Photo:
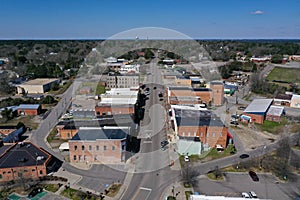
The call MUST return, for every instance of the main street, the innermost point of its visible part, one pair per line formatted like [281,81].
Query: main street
[152,171]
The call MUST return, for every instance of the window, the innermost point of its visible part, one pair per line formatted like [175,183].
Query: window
[84,157]
[75,147]
[113,148]
[0,176]
[95,158]
[182,133]
[221,134]
[82,147]
[214,134]
[189,134]
[25,170]
[207,134]
[90,147]
[79,157]
[74,158]
[4,172]
[104,147]
[41,171]
[195,134]
[33,170]
[97,148]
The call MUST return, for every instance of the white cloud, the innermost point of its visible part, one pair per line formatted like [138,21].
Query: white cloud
[258,12]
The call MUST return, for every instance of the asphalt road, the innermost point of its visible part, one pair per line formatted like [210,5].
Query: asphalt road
[152,173]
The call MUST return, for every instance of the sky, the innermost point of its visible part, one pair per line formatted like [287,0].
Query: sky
[102,19]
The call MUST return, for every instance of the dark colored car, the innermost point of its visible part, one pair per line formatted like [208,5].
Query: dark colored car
[147,89]
[244,156]
[154,88]
[234,123]
[253,175]
[241,108]
[160,94]
[34,192]
[164,143]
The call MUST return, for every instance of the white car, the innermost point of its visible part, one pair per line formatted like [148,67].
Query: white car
[186,159]
[253,195]
[245,195]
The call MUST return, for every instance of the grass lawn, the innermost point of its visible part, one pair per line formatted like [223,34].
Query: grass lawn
[214,154]
[51,187]
[76,194]
[51,135]
[212,176]
[272,127]
[187,194]
[100,89]
[26,119]
[284,74]
[113,189]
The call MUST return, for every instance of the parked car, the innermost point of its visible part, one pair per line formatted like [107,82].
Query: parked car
[164,143]
[34,192]
[154,88]
[244,156]
[253,175]
[186,159]
[253,195]
[241,108]
[245,195]
[234,123]
[163,148]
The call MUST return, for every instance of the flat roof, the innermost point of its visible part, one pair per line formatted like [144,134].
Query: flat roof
[23,154]
[28,106]
[258,106]
[275,110]
[120,120]
[295,97]
[179,88]
[96,133]
[188,117]
[118,101]
[40,81]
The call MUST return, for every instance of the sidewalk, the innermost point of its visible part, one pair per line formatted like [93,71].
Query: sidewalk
[179,191]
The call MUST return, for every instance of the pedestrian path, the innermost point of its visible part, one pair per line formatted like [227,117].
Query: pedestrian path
[176,190]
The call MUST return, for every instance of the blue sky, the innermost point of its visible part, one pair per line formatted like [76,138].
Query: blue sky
[203,19]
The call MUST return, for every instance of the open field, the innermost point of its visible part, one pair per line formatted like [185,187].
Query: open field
[288,75]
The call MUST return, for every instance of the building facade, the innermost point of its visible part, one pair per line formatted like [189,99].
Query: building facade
[99,145]
[122,81]
[23,161]
[29,109]
[40,86]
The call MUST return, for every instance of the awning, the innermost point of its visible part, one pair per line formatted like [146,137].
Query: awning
[64,146]
[229,135]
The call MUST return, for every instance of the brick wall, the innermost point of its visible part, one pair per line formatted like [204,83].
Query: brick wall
[66,133]
[108,110]
[259,119]
[273,118]
[28,172]
[218,94]
[99,151]
[212,135]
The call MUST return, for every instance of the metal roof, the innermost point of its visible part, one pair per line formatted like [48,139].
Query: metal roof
[275,110]
[259,106]
[295,97]
[28,106]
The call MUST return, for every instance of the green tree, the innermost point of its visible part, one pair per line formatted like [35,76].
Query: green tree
[48,100]
[277,58]
[7,114]
[54,86]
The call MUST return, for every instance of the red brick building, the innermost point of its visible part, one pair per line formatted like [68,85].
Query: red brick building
[29,109]
[24,161]
[275,113]
[217,92]
[113,109]
[99,145]
[258,109]
[202,124]
[205,94]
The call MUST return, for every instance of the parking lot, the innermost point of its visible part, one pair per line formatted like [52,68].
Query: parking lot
[236,183]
